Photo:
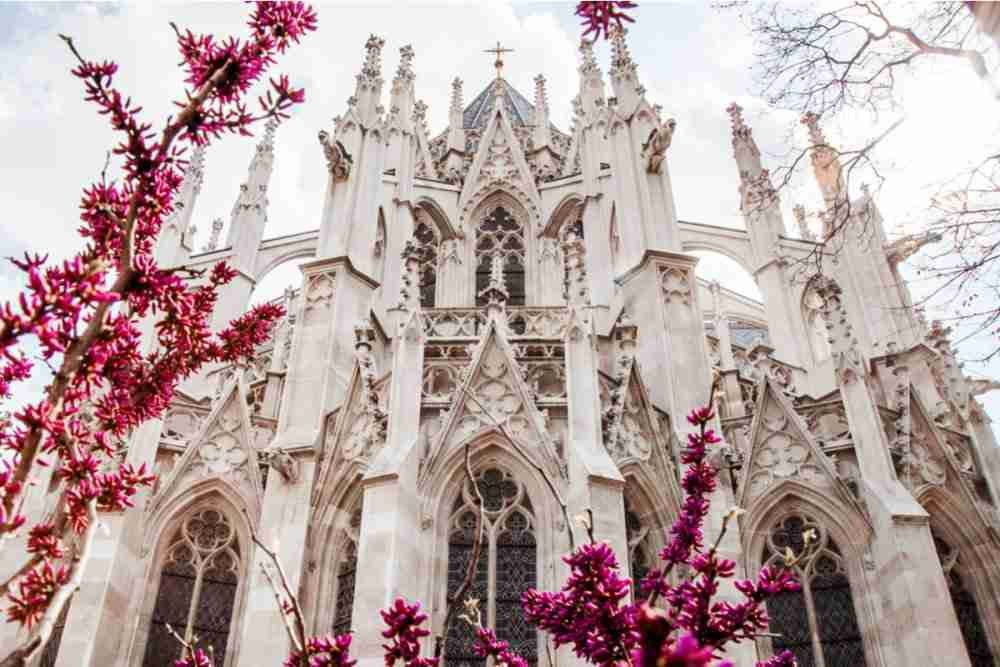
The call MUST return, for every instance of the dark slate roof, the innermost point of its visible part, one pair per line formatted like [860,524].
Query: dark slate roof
[477,114]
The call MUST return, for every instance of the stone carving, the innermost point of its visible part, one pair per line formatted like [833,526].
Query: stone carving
[319,291]
[338,161]
[213,239]
[676,284]
[286,464]
[781,453]
[915,465]
[655,148]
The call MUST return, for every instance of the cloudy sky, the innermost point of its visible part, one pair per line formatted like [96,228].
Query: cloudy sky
[692,59]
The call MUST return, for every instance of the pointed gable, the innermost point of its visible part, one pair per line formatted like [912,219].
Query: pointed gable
[222,449]
[631,430]
[499,164]
[493,393]
[782,448]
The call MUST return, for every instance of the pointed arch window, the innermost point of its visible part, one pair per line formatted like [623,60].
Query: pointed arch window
[640,558]
[428,240]
[818,623]
[966,609]
[196,594]
[506,568]
[347,567]
[812,313]
[499,233]
[378,247]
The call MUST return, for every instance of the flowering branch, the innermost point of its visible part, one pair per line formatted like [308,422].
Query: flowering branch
[86,313]
[598,17]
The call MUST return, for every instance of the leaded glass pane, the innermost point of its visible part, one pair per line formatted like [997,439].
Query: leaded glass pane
[790,621]
[346,573]
[822,613]
[197,590]
[515,570]
[971,624]
[426,239]
[499,233]
[635,534]
[508,538]
[837,623]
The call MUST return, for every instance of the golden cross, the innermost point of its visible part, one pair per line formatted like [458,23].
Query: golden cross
[498,63]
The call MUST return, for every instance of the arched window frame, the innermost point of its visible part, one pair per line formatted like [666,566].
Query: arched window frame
[823,547]
[527,252]
[485,584]
[427,238]
[344,573]
[165,542]
[960,582]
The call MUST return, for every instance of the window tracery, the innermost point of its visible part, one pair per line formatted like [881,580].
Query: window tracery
[427,240]
[817,623]
[506,568]
[196,595]
[499,233]
[966,609]
[347,566]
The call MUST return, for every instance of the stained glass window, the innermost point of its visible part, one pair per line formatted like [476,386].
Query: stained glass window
[347,567]
[966,609]
[426,237]
[818,623]
[505,569]
[499,233]
[197,589]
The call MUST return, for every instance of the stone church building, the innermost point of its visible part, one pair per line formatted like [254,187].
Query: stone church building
[523,297]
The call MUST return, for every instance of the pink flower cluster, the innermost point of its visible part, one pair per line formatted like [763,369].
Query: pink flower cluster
[488,646]
[404,632]
[198,658]
[591,611]
[86,314]
[598,17]
[588,612]
[326,651]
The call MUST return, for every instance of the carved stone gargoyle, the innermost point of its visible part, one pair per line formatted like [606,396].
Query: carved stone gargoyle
[655,148]
[338,161]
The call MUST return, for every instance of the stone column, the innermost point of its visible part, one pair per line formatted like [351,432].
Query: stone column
[916,618]
[390,527]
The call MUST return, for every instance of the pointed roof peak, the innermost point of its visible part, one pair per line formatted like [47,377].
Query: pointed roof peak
[480,110]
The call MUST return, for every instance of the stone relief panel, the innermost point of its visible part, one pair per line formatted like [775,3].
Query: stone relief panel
[781,453]
[676,284]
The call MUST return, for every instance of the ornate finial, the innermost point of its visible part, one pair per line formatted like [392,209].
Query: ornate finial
[811,121]
[419,116]
[541,97]
[213,240]
[266,144]
[405,69]
[496,292]
[621,58]
[588,63]
[843,342]
[456,95]
[498,63]
[195,169]
[371,70]
[800,219]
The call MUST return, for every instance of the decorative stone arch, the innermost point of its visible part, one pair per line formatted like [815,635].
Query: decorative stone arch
[305,250]
[720,248]
[951,520]
[439,216]
[851,532]
[440,492]
[214,495]
[501,198]
[567,206]
[331,537]
[653,510]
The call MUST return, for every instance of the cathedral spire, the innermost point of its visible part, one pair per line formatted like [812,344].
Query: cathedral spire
[249,214]
[456,134]
[591,82]
[624,73]
[368,88]
[401,97]
[176,241]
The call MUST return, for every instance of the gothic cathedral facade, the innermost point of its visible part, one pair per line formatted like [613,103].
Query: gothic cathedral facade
[522,300]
